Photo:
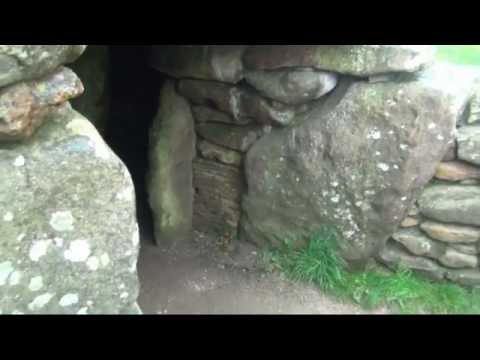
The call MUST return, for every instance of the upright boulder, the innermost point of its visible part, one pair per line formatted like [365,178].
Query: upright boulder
[68,233]
[27,62]
[356,160]
[172,149]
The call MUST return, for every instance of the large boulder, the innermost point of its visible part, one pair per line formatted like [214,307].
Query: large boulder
[93,69]
[357,60]
[25,106]
[207,62]
[27,62]
[172,149]
[356,161]
[68,232]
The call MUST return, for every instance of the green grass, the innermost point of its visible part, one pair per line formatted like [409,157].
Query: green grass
[320,264]
[459,54]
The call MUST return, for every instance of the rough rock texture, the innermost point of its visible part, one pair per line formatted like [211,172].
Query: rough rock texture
[238,138]
[451,233]
[294,87]
[172,149]
[355,161]
[395,257]
[241,103]
[469,144]
[223,155]
[456,171]
[357,60]
[451,204]
[93,69]
[218,190]
[27,62]
[68,235]
[25,106]
[207,62]
[419,244]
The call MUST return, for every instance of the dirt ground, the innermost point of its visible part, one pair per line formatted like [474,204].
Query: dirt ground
[200,279]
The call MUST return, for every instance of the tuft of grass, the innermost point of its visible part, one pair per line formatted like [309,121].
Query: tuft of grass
[320,264]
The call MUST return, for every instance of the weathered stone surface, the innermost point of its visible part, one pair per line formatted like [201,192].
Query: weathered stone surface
[357,60]
[93,69]
[208,62]
[419,244]
[218,190]
[409,222]
[465,277]
[292,86]
[466,249]
[214,152]
[172,149]
[451,233]
[355,161]
[68,233]
[457,260]
[239,138]
[474,108]
[25,106]
[204,114]
[451,204]
[393,256]
[469,144]
[243,104]
[451,154]
[456,171]
[27,62]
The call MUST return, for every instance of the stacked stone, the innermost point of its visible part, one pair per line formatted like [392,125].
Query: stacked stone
[441,236]
[284,138]
[232,108]
[68,232]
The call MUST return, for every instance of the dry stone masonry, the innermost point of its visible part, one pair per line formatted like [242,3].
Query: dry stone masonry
[292,137]
[68,231]
[258,143]
[441,235]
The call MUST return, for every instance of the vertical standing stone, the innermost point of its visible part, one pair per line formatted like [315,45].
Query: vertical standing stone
[172,149]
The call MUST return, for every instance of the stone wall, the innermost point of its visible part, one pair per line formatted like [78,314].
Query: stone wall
[290,138]
[441,235]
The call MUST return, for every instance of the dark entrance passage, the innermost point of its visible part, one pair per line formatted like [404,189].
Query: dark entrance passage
[134,104]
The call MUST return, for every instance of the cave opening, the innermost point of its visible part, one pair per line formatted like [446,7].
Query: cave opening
[133,104]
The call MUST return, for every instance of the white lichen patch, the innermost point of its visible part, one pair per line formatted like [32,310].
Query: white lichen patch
[440,137]
[36,283]
[384,167]
[58,242]
[432,126]
[78,251]
[105,260]
[93,263]
[62,221]
[374,134]
[83,127]
[124,295]
[68,300]
[15,278]
[403,147]
[6,269]
[40,301]
[83,311]
[39,249]
[21,237]
[19,161]
[8,216]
